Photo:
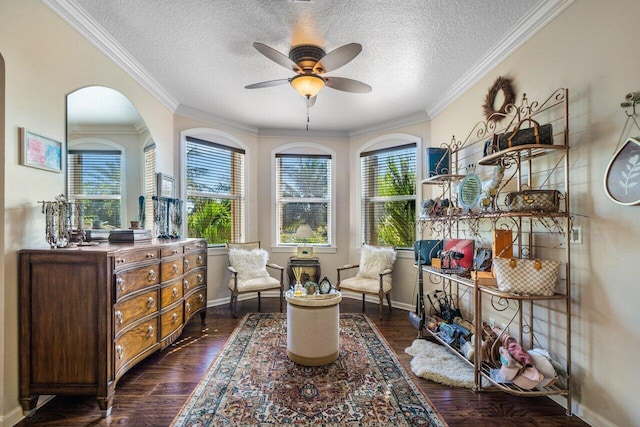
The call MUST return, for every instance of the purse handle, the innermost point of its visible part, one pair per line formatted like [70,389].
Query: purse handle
[536,130]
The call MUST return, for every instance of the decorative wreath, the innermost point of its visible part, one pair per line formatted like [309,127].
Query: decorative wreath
[501,84]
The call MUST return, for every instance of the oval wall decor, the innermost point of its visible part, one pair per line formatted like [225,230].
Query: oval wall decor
[622,178]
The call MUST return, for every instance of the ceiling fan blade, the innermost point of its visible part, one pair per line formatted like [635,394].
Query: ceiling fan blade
[268,83]
[276,56]
[337,58]
[347,85]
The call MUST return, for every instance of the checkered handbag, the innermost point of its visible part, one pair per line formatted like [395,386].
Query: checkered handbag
[526,276]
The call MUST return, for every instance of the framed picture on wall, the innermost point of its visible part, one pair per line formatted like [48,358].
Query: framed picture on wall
[40,152]
[165,185]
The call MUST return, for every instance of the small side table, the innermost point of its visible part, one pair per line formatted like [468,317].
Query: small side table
[313,328]
[310,269]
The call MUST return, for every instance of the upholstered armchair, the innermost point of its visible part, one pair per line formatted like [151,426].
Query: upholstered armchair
[248,267]
[373,276]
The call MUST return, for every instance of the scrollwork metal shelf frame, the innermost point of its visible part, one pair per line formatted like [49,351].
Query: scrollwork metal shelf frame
[518,161]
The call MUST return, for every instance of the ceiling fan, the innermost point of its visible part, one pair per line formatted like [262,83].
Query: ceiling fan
[311,63]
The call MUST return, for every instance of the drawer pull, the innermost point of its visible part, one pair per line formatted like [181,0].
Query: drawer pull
[120,260]
[200,277]
[174,293]
[175,251]
[187,248]
[151,302]
[174,318]
[119,351]
[119,317]
[120,282]
[150,255]
[175,268]
[187,307]
[186,263]
[199,245]
[186,284]
[199,259]
[152,276]
[149,331]
[200,297]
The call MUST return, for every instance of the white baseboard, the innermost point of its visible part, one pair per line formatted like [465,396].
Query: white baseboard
[15,415]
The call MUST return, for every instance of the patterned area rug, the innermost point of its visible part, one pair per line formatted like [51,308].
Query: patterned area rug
[253,382]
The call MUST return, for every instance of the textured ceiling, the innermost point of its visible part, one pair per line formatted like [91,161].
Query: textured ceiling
[415,53]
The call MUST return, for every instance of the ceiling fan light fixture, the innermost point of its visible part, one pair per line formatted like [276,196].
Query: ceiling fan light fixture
[308,85]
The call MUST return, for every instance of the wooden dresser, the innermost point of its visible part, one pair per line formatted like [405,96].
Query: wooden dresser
[89,314]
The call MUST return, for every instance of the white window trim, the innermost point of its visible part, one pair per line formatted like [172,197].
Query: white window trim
[302,148]
[219,137]
[385,141]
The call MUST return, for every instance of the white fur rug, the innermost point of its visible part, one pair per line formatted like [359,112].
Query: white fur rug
[438,364]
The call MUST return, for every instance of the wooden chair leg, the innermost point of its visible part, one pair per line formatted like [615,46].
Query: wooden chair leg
[363,303]
[234,306]
[281,298]
[258,302]
[380,303]
[389,301]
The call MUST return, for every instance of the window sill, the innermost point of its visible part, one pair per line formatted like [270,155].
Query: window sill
[294,249]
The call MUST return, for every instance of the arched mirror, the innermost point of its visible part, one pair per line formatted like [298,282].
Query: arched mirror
[110,159]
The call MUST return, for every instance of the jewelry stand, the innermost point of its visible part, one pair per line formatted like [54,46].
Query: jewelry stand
[167,217]
[61,217]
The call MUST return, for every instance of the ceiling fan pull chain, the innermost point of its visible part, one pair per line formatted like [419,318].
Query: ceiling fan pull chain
[308,101]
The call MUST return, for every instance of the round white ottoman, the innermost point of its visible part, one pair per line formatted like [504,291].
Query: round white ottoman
[313,328]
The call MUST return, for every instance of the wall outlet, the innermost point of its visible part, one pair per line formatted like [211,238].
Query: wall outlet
[492,322]
[575,235]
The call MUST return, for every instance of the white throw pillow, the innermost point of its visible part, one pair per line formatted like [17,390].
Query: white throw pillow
[249,264]
[374,260]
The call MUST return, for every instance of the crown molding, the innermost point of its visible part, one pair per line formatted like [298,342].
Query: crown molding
[408,120]
[78,19]
[303,134]
[105,130]
[196,114]
[522,31]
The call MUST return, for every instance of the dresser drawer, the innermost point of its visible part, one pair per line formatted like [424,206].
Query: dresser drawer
[170,293]
[127,281]
[134,342]
[127,312]
[195,302]
[171,269]
[193,279]
[124,259]
[198,245]
[194,260]
[171,320]
[172,250]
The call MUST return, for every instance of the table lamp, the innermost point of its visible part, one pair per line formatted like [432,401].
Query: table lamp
[304,232]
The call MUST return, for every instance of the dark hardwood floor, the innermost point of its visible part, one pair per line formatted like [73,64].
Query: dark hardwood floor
[153,392]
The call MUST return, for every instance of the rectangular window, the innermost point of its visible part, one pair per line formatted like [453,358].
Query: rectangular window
[149,184]
[303,196]
[388,196]
[94,179]
[215,192]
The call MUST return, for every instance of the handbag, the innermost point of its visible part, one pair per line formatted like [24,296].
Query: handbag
[533,201]
[535,134]
[526,276]
[426,250]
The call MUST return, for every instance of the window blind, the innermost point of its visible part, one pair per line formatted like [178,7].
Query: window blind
[303,192]
[94,178]
[149,183]
[215,191]
[388,196]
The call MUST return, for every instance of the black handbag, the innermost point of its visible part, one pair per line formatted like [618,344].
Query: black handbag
[535,134]
[425,250]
